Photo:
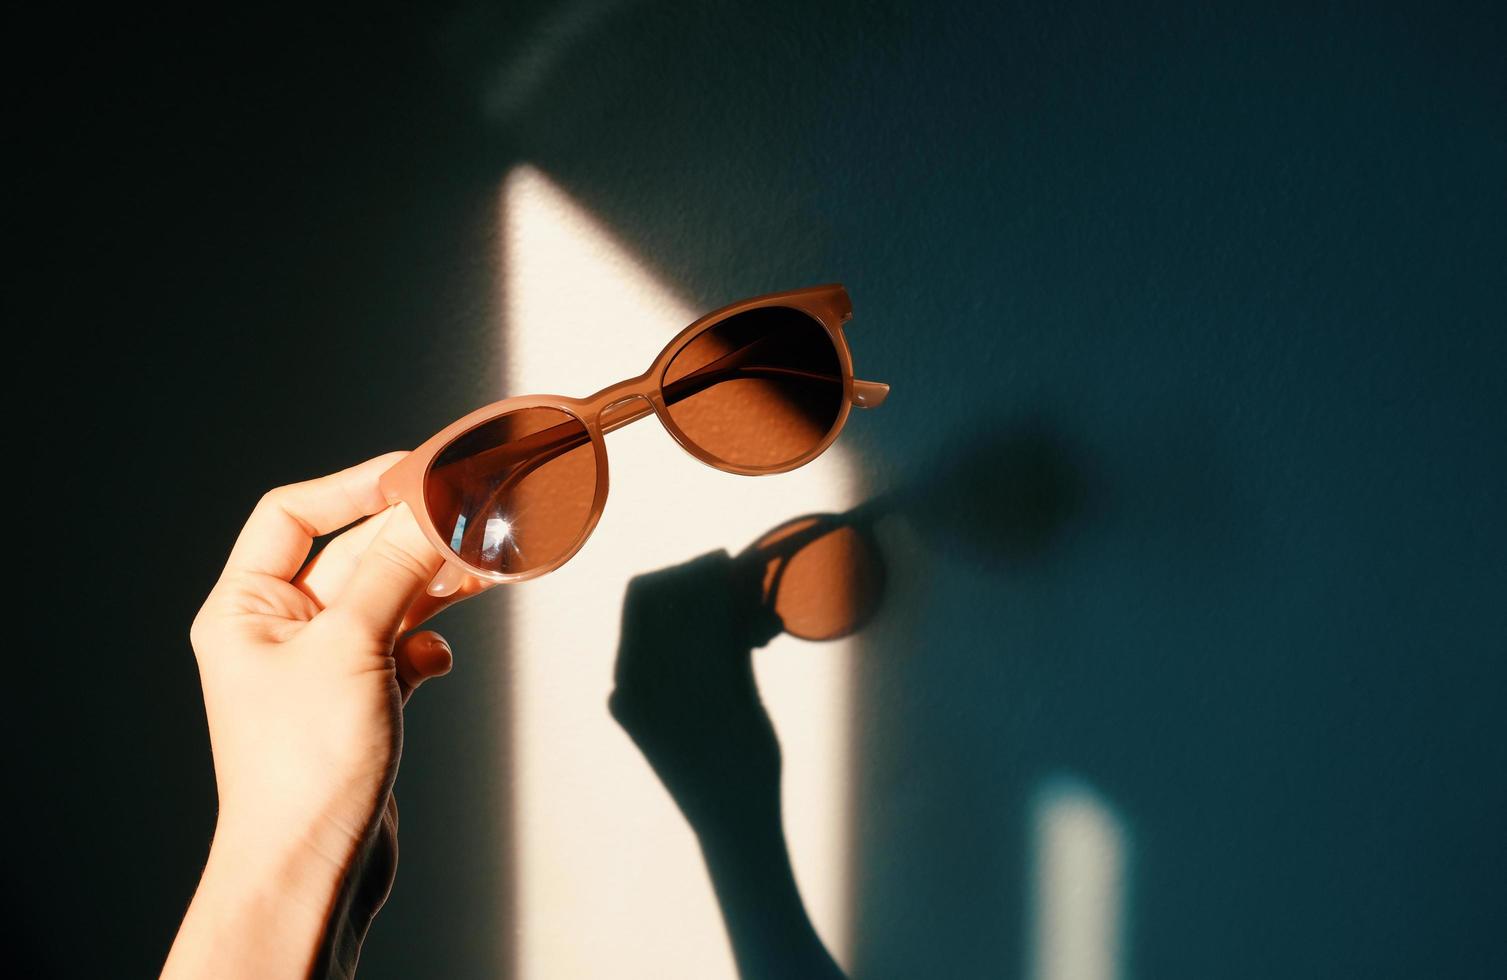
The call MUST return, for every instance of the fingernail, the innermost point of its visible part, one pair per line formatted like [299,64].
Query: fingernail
[441,648]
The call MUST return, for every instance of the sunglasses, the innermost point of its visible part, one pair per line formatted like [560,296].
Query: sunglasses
[512,490]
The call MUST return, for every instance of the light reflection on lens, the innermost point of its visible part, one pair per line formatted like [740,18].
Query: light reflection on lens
[516,491]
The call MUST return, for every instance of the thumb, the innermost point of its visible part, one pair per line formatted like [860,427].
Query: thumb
[392,572]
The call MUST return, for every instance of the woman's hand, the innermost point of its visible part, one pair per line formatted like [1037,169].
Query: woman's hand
[305,670]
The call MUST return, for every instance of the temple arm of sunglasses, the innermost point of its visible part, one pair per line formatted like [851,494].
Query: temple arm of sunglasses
[527,453]
[691,384]
[538,448]
[869,394]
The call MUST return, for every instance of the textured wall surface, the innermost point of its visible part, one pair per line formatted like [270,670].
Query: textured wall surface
[1195,321]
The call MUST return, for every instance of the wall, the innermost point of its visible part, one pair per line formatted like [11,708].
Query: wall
[1194,321]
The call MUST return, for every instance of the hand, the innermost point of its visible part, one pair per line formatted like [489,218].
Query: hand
[305,670]
[685,693]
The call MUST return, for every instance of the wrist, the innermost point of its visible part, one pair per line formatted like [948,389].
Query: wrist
[297,872]
[262,907]
[301,848]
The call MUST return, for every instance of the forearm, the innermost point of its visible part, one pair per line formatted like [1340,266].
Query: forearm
[770,931]
[261,910]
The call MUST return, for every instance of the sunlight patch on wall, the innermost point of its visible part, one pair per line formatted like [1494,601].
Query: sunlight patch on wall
[610,879]
[1078,909]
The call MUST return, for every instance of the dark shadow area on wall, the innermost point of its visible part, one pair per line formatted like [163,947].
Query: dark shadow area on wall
[1233,277]
[257,249]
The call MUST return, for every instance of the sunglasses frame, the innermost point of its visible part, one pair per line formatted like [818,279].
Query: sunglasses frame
[617,405]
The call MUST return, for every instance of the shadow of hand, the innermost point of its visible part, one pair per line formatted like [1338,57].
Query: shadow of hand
[685,692]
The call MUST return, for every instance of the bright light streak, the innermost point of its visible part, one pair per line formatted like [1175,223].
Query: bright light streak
[1080,879]
[611,883]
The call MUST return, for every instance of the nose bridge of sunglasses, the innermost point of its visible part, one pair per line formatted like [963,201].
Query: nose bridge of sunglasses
[621,411]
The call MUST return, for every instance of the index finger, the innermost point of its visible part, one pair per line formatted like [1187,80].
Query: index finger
[277,536]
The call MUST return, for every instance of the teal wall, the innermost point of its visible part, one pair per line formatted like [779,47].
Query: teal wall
[1197,325]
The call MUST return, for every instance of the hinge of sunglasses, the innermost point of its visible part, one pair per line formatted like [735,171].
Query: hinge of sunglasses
[869,394]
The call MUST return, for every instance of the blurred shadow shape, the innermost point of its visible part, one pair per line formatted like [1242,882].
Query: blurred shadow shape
[1001,496]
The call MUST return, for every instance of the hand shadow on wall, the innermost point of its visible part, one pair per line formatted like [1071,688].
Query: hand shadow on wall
[685,690]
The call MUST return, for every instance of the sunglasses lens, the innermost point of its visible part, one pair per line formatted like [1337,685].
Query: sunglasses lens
[761,388]
[514,493]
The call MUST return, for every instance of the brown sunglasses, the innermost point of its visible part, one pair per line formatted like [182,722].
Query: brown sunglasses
[512,490]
